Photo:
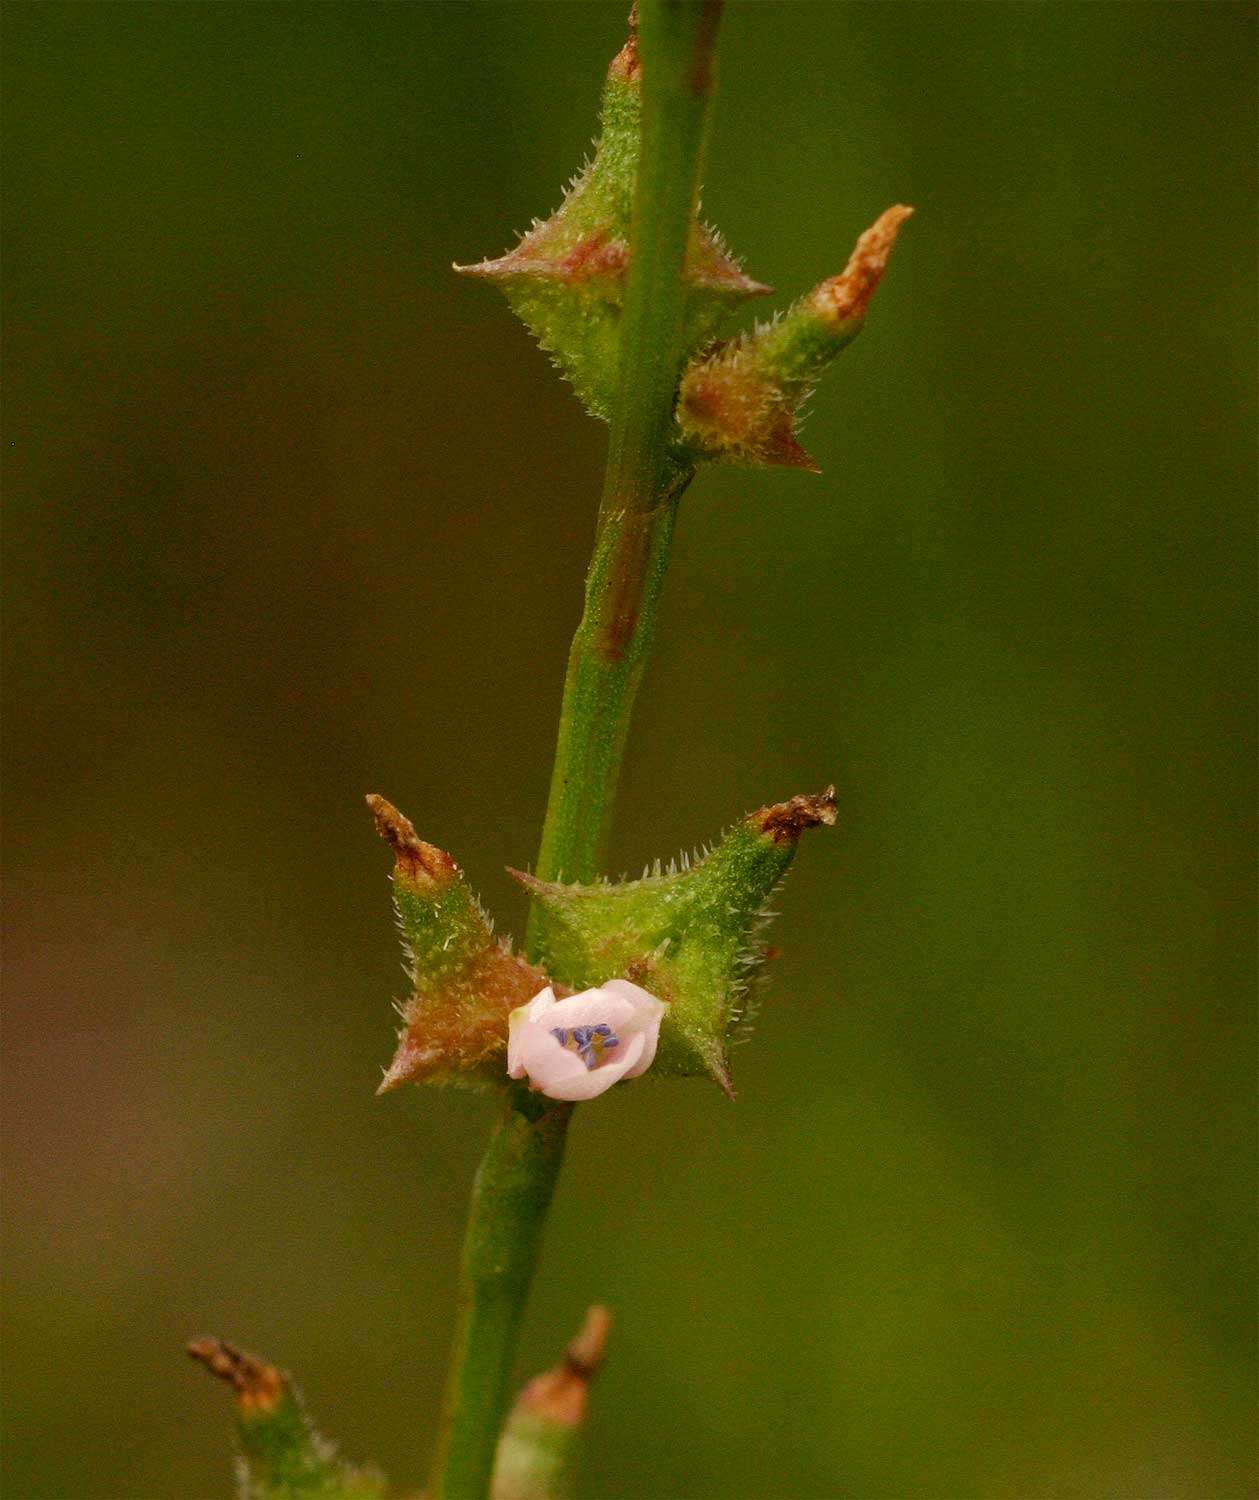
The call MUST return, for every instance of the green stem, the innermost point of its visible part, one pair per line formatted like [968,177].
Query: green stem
[605,665]
[510,1199]
[642,485]
[643,480]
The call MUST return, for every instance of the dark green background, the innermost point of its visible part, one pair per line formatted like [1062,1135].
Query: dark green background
[294,514]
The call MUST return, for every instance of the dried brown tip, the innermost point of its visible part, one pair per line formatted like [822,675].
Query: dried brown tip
[560,1394]
[787,820]
[846,296]
[585,1354]
[414,859]
[626,64]
[259,1387]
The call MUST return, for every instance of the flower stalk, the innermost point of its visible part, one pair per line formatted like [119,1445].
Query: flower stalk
[643,481]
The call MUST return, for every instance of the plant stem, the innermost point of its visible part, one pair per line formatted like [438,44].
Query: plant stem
[510,1198]
[643,482]
[605,665]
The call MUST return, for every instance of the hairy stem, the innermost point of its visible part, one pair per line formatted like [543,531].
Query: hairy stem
[643,482]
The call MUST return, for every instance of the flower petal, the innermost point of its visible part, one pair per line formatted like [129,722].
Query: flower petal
[626,989]
[542,1002]
[545,1060]
[533,1048]
[649,1011]
[522,1016]
[590,1008]
[589,1083]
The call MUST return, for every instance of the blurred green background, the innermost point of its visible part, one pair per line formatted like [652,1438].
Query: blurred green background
[294,514]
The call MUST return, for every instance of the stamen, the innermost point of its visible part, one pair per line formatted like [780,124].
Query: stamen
[588,1042]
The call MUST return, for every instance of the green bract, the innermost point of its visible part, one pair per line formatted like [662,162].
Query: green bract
[466,981]
[740,402]
[282,1457]
[687,936]
[566,278]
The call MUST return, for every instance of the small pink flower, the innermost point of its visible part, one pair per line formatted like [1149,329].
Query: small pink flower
[576,1048]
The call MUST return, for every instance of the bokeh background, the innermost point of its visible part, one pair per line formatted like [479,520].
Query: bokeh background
[294,514]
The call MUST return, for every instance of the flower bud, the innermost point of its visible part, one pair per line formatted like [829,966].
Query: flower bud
[566,278]
[686,936]
[740,403]
[466,981]
[538,1449]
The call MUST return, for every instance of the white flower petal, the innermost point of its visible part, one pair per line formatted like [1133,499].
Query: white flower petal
[649,1013]
[625,989]
[590,1008]
[533,1049]
[631,1051]
[521,1017]
[650,1038]
[544,1058]
[590,1082]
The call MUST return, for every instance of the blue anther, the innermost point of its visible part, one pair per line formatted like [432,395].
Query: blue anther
[588,1042]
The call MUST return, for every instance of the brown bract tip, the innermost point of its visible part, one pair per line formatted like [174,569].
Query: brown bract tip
[415,860]
[786,821]
[259,1387]
[586,1352]
[559,1395]
[626,64]
[846,296]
